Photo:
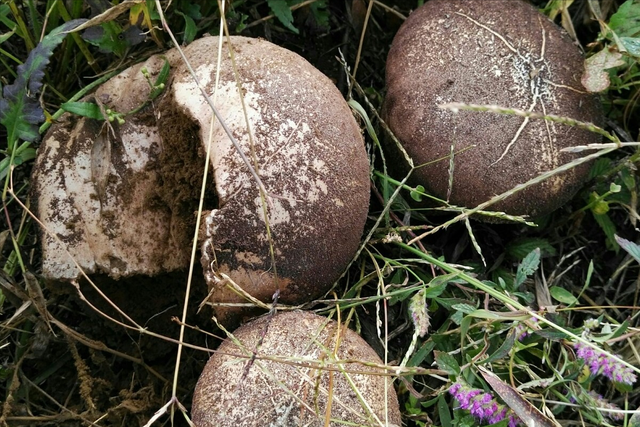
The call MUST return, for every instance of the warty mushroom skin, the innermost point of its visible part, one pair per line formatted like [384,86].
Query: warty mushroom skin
[499,52]
[277,388]
[311,160]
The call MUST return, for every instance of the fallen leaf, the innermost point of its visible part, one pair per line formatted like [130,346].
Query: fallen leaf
[595,78]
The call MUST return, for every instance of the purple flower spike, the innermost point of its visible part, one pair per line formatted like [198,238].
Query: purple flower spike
[482,405]
[600,363]
[602,402]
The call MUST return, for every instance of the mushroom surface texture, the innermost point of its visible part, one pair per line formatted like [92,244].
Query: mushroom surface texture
[498,52]
[122,198]
[236,390]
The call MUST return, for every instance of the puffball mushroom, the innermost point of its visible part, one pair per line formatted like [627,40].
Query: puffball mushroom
[499,52]
[312,162]
[289,383]
[122,199]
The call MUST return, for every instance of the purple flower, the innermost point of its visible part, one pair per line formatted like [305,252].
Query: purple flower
[482,405]
[604,403]
[523,330]
[600,363]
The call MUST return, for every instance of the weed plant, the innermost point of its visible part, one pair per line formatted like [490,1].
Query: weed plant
[524,323]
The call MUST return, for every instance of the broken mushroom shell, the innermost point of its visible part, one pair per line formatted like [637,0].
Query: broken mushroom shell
[306,368]
[499,52]
[309,153]
[95,188]
[121,198]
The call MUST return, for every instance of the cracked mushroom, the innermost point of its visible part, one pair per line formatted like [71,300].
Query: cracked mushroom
[499,52]
[121,199]
[307,369]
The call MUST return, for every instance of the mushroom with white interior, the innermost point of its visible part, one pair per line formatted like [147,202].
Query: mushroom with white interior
[121,199]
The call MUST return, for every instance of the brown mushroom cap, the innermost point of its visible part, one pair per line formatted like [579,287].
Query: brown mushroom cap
[310,157]
[235,392]
[498,52]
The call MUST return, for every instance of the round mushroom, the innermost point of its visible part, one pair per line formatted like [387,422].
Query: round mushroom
[499,52]
[306,368]
[121,198]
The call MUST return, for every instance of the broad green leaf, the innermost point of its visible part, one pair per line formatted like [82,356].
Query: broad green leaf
[84,109]
[22,154]
[562,295]
[190,28]
[282,11]
[503,350]
[626,21]
[447,363]
[464,308]
[631,248]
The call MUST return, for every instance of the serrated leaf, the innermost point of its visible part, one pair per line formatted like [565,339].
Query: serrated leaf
[447,363]
[282,11]
[20,111]
[84,109]
[527,267]
[601,166]
[631,248]
[457,317]
[595,78]
[562,295]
